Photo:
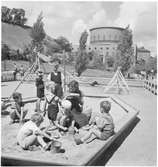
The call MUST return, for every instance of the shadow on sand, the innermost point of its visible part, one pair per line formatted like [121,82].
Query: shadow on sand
[116,144]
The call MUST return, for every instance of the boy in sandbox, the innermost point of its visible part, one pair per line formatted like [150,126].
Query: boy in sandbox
[65,120]
[102,126]
[30,134]
[51,103]
[17,112]
[40,89]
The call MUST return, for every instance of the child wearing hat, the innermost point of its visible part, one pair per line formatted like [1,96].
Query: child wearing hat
[40,89]
[102,126]
[17,112]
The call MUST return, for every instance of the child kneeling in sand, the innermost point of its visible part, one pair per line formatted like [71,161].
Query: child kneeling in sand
[18,112]
[30,133]
[102,127]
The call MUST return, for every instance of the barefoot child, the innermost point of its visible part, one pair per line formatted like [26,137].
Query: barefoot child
[17,112]
[30,134]
[51,102]
[102,127]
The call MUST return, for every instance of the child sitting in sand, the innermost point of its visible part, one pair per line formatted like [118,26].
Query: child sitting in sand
[65,120]
[30,134]
[17,112]
[102,126]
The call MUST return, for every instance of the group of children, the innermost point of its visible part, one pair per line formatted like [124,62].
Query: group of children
[64,113]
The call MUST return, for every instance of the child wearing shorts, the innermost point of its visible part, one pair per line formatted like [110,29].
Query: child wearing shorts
[102,126]
[30,133]
[52,102]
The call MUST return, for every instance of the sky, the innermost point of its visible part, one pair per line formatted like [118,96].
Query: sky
[71,18]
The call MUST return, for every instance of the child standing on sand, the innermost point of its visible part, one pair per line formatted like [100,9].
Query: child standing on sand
[30,134]
[102,127]
[40,89]
[51,102]
[18,112]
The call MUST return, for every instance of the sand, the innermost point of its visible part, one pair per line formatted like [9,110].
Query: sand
[74,154]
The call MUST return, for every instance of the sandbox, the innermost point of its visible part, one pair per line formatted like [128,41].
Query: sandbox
[84,154]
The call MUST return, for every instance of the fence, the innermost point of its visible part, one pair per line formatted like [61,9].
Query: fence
[7,76]
[151,85]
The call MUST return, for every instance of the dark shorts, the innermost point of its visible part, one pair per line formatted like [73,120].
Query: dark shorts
[59,91]
[52,111]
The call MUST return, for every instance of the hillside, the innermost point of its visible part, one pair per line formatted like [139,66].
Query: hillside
[17,37]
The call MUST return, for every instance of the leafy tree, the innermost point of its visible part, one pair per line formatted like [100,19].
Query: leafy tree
[124,57]
[81,62]
[64,44]
[151,64]
[38,34]
[82,56]
[5,52]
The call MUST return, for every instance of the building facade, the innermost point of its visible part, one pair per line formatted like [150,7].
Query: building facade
[104,41]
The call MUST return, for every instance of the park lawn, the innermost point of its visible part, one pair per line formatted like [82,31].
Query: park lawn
[8,65]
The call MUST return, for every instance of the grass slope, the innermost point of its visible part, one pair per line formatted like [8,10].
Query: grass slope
[17,37]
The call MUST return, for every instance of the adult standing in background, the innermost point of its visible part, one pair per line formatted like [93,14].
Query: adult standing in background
[15,71]
[57,77]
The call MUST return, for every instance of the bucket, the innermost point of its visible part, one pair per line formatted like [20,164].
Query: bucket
[55,147]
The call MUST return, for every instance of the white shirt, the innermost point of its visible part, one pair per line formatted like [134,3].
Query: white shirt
[27,129]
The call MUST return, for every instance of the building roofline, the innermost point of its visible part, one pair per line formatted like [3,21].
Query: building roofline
[118,28]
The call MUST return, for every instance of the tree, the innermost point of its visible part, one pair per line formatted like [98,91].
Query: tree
[124,57]
[5,52]
[38,34]
[151,64]
[82,56]
[64,44]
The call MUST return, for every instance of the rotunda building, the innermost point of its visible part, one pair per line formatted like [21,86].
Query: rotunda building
[104,41]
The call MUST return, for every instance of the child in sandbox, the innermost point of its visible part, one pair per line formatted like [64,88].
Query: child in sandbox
[65,121]
[75,96]
[40,89]
[51,103]
[31,135]
[102,126]
[17,112]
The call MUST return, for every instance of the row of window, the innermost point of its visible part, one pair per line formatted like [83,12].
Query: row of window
[101,48]
[110,37]
[107,48]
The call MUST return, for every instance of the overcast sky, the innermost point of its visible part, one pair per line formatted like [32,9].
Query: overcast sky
[69,19]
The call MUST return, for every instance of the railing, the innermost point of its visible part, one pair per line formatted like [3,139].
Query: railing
[7,76]
[151,85]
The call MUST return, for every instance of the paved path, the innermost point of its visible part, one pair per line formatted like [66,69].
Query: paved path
[140,147]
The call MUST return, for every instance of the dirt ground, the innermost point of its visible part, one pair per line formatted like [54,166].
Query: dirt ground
[140,147]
